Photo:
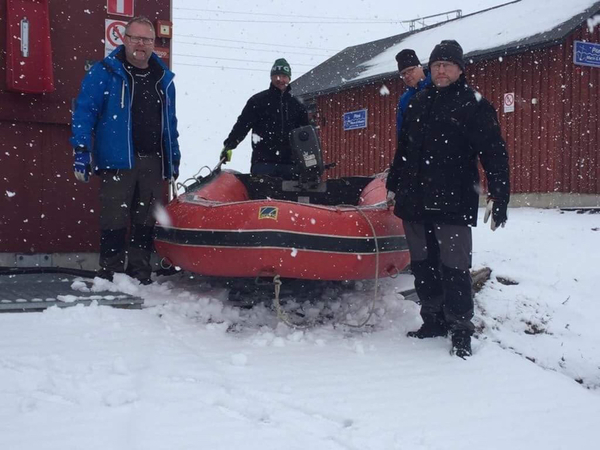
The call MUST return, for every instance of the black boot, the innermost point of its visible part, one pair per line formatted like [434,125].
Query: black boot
[434,327]
[461,345]
[112,253]
[140,251]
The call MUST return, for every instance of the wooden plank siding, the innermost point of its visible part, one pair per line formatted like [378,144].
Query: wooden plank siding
[552,135]
[43,209]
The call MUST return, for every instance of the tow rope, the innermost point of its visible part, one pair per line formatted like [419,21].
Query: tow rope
[285,318]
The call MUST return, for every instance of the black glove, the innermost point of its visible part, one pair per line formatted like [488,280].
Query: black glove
[498,210]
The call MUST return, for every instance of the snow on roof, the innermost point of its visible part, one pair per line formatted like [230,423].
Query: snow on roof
[504,29]
[491,29]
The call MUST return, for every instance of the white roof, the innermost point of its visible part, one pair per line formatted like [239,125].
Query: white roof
[481,31]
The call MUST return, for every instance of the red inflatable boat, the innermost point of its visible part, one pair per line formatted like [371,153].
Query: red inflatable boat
[239,225]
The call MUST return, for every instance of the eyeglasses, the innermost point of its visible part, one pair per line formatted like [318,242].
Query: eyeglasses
[442,65]
[407,72]
[138,39]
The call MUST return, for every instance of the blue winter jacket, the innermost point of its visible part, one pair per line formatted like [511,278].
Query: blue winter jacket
[405,100]
[102,115]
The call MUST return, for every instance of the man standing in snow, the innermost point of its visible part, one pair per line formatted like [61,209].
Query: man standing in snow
[446,130]
[126,108]
[271,115]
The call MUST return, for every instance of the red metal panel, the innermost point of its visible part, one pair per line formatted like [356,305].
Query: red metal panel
[42,208]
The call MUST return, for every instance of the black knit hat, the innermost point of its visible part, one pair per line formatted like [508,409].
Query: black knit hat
[407,58]
[281,67]
[449,50]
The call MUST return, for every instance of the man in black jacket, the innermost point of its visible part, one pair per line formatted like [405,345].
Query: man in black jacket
[434,176]
[271,115]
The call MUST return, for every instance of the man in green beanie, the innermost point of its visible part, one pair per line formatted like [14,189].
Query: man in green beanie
[271,115]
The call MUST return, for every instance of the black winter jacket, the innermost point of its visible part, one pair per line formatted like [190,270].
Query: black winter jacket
[271,115]
[434,173]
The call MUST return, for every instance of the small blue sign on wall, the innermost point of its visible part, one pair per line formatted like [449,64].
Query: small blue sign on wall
[586,54]
[355,120]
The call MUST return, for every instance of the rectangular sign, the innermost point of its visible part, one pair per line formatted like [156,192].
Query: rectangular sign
[114,30]
[509,102]
[355,120]
[120,7]
[586,54]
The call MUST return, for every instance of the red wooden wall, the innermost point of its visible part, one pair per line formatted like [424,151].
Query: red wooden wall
[42,207]
[553,142]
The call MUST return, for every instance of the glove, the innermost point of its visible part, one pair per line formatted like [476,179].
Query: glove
[226,153]
[497,209]
[391,197]
[82,167]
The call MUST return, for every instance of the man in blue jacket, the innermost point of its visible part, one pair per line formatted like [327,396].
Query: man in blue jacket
[125,131]
[414,76]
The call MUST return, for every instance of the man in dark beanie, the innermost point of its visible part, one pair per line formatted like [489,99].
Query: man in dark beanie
[449,50]
[414,76]
[271,115]
[448,128]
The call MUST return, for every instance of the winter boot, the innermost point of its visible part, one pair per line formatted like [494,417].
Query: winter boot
[140,251]
[461,345]
[432,327]
[112,253]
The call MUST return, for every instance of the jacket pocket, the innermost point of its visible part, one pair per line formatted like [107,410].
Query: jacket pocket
[443,193]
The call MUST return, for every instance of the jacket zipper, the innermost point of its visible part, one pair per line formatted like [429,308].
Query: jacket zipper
[130,137]
[162,121]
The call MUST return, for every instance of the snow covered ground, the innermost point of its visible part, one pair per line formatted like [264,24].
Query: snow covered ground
[192,371]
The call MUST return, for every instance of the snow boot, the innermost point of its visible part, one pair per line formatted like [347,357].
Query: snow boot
[432,327]
[461,345]
[139,254]
[112,252]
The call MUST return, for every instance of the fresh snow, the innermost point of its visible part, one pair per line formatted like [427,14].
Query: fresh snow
[487,30]
[193,371]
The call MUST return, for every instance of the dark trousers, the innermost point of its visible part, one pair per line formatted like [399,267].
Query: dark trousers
[440,261]
[127,202]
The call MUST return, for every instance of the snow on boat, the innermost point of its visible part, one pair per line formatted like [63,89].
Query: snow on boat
[238,225]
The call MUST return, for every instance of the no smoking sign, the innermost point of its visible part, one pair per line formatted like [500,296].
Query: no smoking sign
[509,102]
[114,30]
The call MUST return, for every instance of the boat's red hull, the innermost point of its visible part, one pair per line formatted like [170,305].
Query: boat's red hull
[253,238]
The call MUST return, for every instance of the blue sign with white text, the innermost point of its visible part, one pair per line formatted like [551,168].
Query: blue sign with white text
[355,120]
[586,54]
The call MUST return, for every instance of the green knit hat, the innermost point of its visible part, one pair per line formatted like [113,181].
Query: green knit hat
[281,67]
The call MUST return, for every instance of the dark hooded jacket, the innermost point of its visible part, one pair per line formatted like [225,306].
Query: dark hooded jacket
[271,115]
[435,174]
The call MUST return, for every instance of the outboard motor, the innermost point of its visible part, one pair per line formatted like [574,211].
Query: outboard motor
[306,150]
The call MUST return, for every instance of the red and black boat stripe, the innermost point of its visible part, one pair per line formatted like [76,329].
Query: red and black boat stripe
[279,239]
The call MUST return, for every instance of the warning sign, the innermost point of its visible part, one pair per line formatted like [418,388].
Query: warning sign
[114,30]
[120,7]
[509,102]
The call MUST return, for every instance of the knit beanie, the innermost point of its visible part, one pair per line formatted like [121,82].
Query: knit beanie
[407,58]
[281,67]
[449,50]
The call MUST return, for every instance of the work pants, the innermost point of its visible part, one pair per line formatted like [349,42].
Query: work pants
[440,261]
[128,199]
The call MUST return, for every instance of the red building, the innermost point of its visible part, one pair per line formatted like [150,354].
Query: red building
[46,217]
[544,68]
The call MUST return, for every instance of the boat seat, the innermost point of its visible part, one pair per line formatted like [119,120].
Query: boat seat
[339,191]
